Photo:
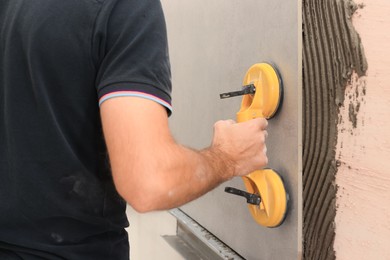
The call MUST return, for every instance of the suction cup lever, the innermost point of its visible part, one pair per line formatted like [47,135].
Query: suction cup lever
[251,198]
[247,89]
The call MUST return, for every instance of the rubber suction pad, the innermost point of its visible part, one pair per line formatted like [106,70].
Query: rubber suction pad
[274,199]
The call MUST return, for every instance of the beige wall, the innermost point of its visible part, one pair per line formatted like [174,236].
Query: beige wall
[363,178]
[145,233]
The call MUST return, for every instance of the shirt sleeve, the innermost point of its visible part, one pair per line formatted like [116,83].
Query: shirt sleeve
[131,50]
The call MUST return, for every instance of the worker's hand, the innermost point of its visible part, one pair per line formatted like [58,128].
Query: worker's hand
[243,144]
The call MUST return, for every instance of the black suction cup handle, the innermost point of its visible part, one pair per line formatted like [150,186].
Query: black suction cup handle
[251,198]
[246,90]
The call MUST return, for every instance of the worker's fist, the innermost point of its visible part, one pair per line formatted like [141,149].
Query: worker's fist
[243,144]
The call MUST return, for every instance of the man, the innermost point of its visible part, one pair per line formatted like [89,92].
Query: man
[69,72]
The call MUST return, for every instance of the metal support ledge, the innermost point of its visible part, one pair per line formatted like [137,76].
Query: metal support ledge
[194,242]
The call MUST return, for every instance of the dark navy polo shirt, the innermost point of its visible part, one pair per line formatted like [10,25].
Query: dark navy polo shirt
[58,60]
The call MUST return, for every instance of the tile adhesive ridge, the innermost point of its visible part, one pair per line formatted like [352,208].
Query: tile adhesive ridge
[332,52]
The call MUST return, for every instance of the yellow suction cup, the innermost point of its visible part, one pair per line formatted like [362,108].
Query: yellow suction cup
[268,94]
[266,197]
[267,183]
[273,206]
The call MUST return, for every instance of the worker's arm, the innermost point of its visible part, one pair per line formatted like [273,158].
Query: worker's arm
[152,172]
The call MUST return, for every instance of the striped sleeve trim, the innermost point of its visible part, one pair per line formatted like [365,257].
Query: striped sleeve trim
[135,94]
